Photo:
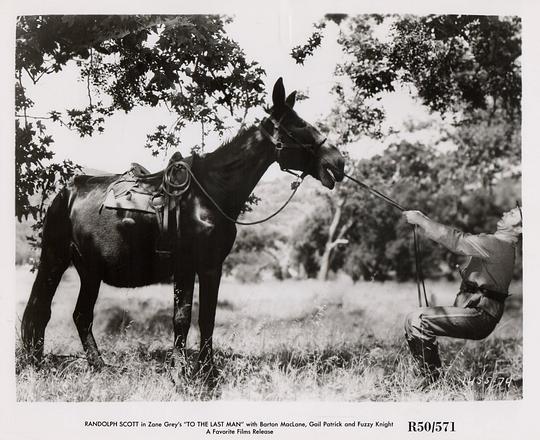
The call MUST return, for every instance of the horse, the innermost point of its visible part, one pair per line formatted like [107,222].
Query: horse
[119,249]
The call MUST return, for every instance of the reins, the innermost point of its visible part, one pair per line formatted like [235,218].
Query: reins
[419,272]
[178,189]
[279,146]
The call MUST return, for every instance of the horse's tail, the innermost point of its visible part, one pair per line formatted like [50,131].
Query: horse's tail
[54,260]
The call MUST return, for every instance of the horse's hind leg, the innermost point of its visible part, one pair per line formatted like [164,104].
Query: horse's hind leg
[84,315]
[38,309]
[54,260]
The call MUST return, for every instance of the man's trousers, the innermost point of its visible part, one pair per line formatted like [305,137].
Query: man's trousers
[424,324]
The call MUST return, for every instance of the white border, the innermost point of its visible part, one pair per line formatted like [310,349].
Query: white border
[490,420]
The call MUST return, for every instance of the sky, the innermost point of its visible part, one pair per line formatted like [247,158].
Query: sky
[266,36]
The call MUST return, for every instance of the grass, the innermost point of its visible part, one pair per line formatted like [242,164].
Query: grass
[292,340]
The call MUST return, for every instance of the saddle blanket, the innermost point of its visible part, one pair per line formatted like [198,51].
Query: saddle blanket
[131,201]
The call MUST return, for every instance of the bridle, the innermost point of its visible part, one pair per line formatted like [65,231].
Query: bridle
[279,131]
[176,190]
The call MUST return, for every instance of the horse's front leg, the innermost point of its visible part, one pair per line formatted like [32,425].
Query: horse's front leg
[184,279]
[208,292]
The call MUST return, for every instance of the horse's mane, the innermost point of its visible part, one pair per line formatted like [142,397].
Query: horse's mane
[229,154]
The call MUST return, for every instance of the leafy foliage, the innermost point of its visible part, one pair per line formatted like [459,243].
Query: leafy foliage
[466,69]
[186,63]
[33,177]
[379,240]
[254,251]
[300,53]
[461,61]
[457,65]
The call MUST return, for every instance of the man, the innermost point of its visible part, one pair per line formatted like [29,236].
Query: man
[479,304]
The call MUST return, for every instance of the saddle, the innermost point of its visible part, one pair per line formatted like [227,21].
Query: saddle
[159,194]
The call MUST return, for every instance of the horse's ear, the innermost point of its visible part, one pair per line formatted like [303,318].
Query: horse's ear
[291,99]
[278,94]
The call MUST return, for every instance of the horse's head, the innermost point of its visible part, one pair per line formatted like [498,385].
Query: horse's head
[299,145]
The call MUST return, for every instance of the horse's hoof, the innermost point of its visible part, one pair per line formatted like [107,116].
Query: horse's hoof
[31,356]
[108,368]
[207,373]
[179,365]
[34,362]
[175,378]
[178,376]
[99,365]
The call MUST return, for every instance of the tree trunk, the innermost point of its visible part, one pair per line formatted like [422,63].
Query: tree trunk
[324,267]
[333,240]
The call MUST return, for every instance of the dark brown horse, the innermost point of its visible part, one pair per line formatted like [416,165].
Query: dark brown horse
[103,246]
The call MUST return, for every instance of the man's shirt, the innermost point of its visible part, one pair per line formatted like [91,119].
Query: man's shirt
[490,263]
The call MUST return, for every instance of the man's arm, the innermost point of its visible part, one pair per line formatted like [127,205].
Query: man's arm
[452,239]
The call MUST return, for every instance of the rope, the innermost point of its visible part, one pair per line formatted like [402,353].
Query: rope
[175,189]
[376,193]
[294,185]
[419,272]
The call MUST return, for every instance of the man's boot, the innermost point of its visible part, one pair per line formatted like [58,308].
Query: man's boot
[427,357]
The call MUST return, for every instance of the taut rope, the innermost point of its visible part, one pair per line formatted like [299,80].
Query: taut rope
[419,272]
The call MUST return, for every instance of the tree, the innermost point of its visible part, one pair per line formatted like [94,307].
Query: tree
[457,63]
[317,240]
[186,63]
[377,242]
[255,250]
[466,69]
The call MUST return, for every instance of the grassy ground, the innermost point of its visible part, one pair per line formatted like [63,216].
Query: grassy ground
[293,340]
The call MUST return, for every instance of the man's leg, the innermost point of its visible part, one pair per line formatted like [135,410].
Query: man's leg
[423,325]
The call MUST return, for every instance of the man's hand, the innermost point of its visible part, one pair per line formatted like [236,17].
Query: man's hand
[415,217]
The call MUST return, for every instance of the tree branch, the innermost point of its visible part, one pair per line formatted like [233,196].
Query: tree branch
[338,242]
[26,117]
[88,77]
